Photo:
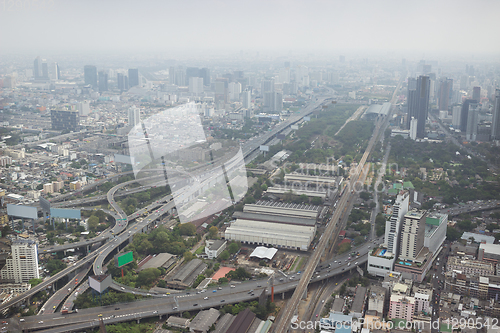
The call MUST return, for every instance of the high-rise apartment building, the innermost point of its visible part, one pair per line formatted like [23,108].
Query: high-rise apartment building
[495,124]
[133,77]
[90,75]
[412,234]
[103,81]
[191,72]
[418,103]
[455,116]
[134,116]
[22,265]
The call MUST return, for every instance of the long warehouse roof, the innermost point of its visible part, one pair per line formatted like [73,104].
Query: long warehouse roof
[275,218]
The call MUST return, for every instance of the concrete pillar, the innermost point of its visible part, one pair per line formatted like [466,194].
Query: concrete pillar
[282,295]
[138,320]
[304,295]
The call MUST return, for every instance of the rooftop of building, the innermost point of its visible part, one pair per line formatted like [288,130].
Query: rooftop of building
[490,248]
[415,214]
[478,238]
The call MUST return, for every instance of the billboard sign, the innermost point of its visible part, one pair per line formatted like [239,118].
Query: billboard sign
[100,282]
[123,259]
[264,148]
[280,136]
[307,118]
[294,127]
[66,213]
[45,204]
[26,212]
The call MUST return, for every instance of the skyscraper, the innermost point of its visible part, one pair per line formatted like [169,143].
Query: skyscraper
[464,115]
[476,94]
[122,81]
[66,121]
[133,77]
[90,74]
[171,75]
[418,102]
[472,120]
[495,124]
[412,234]
[37,68]
[134,116]
[22,265]
[205,74]
[234,90]
[45,70]
[247,99]
[103,81]
[267,86]
[196,85]
[192,72]
[445,93]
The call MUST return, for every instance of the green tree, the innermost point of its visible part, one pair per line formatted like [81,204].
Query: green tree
[188,256]
[212,232]
[224,255]
[35,282]
[342,248]
[93,222]
[147,276]
[223,280]
[54,266]
[233,247]
[317,201]
[187,229]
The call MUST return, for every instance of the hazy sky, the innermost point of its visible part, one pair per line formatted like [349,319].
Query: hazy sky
[88,26]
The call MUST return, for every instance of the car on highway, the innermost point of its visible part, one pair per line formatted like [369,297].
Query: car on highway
[205,298]
[222,301]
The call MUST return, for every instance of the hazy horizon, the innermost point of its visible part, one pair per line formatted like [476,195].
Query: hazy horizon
[388,27]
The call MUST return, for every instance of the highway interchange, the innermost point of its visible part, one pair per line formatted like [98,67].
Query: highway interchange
[164,304]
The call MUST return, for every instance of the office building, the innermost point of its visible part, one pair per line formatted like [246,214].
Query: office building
[37,68]
[134,116]
[45,70]
[196,85]
[54,72]
[90,75]
[64,120]
[267,86]
[418,102]
[445,94]
[22,265]
[495,124]
[133,77]
[103,81]
[191,72]
[464,114]
[413,129]
[122,82]
[412,235]
[205,74]
[472,121]
[476,94]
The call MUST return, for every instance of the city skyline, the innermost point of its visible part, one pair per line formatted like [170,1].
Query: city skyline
[382,26]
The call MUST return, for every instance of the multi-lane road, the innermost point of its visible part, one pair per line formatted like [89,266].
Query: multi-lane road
[164,304]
